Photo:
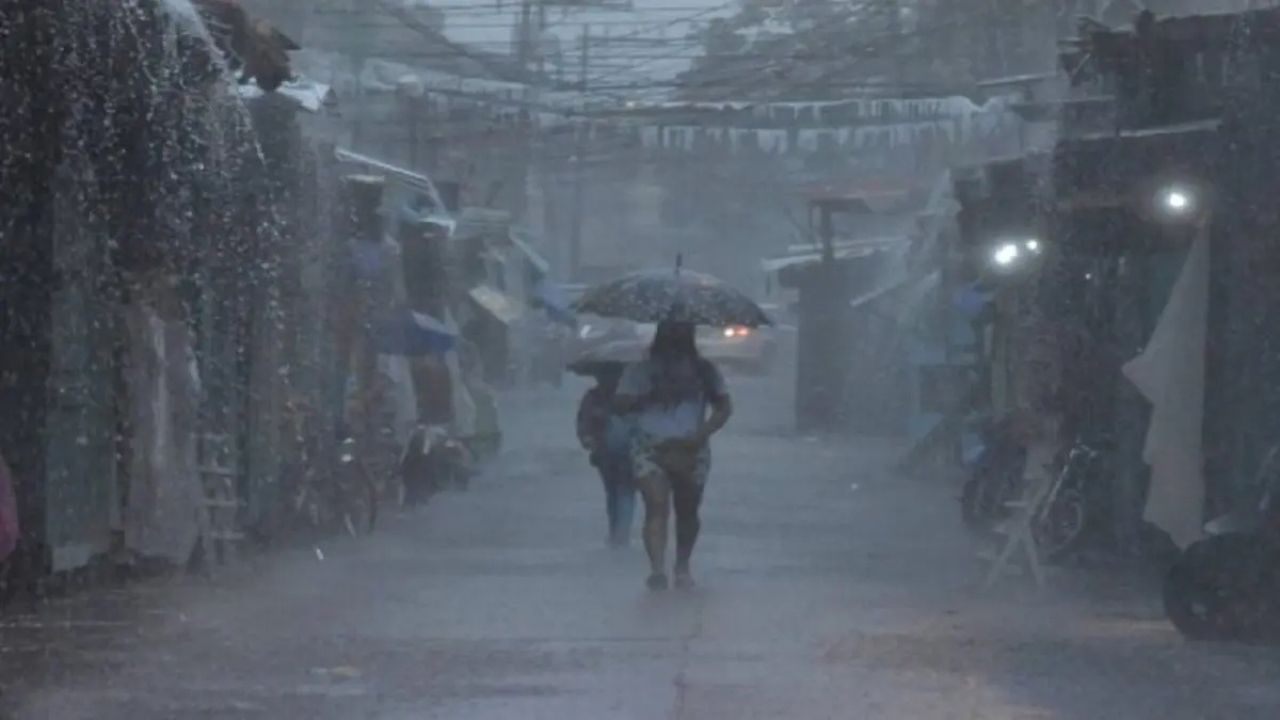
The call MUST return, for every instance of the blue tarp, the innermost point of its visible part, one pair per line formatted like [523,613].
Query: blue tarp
[553,299]
[972,300]
[414,334]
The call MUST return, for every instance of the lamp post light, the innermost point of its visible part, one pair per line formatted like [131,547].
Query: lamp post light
[1011,255]
[1178,202]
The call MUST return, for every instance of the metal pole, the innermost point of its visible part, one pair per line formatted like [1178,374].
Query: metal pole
[411,110]
[579,179]
[522,39]
[827,233]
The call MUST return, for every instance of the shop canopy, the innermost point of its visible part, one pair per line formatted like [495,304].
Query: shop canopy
[906,295]
[844,250]
[420,185]
[1104,170]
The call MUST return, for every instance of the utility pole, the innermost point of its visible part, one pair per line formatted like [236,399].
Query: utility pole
[522,38]
[411,112]
[579,171]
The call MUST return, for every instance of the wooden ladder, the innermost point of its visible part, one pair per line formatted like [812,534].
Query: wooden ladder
[220,531]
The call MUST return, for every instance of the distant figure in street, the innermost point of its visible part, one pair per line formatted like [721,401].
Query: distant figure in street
[606,435]
[669,395]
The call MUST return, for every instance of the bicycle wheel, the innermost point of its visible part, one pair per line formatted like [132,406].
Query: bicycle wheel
[358,500]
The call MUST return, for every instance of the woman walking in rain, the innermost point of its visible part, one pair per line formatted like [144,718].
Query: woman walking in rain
[606,435]
[678,400]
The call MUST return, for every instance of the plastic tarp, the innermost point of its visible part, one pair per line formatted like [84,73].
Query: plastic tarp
[555,301]
[412,179]
[163,516]
[535,258]
[496,303]
[1170,374]
[308,95]
[464,406]
[970,301]
[414,334]
[9,529]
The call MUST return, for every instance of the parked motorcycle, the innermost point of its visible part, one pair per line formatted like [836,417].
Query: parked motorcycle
[1064,516]
[1227,585]
[434,461]
[339,495]
[354,494]
[995,476]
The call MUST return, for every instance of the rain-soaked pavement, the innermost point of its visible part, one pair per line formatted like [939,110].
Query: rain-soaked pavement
[829,589]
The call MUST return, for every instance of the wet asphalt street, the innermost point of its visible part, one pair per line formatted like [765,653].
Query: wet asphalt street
[829,589]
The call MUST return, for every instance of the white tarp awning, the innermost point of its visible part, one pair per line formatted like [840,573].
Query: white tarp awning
[307,94]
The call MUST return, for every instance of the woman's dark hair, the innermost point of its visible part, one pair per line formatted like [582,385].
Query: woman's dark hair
[674,339]
[609,375]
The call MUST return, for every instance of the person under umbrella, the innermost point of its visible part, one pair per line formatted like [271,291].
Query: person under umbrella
[677,398]
[669,394]
[606,435]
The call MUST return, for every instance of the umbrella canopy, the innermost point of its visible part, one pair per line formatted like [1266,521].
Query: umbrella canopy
[678,295]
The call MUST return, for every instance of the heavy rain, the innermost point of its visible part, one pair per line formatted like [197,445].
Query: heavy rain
[639,359]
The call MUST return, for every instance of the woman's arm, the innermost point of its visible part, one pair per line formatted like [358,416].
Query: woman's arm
[721,411]
[589,421]
[632,390]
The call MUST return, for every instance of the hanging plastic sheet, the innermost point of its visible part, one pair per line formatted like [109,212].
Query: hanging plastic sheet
[163,516]
[9,529]
[553,299]
[414,334]
[972,300]
[497,303]
[463,405]
[1170,374]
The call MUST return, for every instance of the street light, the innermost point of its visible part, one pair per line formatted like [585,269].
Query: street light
[1006,254]
[1177,201]
[1009,252]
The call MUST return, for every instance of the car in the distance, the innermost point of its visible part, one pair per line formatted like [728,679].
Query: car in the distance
[738,347]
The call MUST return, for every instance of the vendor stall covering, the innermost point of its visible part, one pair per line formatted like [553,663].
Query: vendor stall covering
[163,515]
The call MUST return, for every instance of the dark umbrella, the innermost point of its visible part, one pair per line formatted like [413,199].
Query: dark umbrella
[678,295]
